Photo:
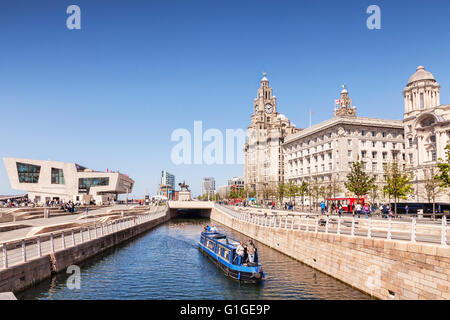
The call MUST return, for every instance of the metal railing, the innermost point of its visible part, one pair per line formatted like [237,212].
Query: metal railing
[366,227]
[19,251]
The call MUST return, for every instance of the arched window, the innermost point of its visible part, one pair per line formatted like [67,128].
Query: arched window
[421,101]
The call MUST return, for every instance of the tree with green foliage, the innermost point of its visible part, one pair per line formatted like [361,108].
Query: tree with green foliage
[444,169]
[291,190]
[398,182]
[358,181]
[302,192]
[281,192]
[432,188]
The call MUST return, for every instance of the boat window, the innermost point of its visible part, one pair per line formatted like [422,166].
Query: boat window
[211,244]
[227,254]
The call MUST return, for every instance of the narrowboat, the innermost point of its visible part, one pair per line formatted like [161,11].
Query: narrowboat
[222,251]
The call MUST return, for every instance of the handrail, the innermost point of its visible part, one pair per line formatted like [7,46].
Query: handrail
[411,231]
[21,250]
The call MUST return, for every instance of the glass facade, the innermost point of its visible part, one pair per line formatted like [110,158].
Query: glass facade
[85,184]
[28,173]
[57,176]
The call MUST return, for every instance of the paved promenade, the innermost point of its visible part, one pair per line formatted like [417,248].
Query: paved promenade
[42,222]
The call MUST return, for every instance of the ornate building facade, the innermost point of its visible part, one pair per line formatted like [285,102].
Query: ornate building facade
[263,159]
[276,151]
[427,130]
[324,153]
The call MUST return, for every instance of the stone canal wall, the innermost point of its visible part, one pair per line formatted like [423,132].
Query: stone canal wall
[385,269]
[20,276]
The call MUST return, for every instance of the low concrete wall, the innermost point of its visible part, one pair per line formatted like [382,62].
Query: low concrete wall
[385,269]
[21,276]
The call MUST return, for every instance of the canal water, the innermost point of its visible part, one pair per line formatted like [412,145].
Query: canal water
[166,264]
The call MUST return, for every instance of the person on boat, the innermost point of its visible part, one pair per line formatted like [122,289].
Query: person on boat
[207,228]
[251,249]
[213,229]
[240,253]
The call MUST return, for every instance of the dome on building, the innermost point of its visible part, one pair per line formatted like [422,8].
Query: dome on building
[421,74]
[281,117]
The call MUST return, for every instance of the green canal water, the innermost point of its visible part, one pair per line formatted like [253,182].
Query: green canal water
[165,263]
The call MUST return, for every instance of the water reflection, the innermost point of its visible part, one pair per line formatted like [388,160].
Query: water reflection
[166,264]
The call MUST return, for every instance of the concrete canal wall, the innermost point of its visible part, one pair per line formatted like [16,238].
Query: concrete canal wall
[385,269]
[21,276]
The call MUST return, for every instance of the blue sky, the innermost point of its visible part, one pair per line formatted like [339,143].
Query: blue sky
[110,95]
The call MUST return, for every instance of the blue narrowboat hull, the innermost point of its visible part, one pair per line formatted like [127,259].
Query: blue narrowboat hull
[238,272]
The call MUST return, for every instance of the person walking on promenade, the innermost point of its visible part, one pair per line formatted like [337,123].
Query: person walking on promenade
[358,210]
[384,210]
[406,209]
[322,207]
[340,209]
[366,210]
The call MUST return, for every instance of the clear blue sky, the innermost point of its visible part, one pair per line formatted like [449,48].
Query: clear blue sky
[110,95]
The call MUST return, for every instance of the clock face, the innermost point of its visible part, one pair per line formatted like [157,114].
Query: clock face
[268,108]
[257,108]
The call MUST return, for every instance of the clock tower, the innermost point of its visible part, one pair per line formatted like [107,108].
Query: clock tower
[263,166]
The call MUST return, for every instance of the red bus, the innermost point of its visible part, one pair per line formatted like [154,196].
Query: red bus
[346,203]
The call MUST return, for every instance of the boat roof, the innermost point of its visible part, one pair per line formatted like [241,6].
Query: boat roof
[222,238]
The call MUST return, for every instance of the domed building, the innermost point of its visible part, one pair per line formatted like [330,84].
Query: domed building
[427,129]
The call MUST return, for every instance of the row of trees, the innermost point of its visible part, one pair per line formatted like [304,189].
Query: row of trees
[396,185]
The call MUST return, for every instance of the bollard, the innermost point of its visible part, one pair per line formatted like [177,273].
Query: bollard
[81,235]
[300,218]
[24,251]
[292,222]
[52,243]
[73,238]
[101,229]
[352,232]
[444,231]
[5,256]
[89,233]
[369,228]
[339,226]
[317,224]
[96,231]
[39,250]
[413,230]
[63,240]
[389,234]
[326,224]
[307,223]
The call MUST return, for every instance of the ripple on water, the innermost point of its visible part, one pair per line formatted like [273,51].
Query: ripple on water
[166,264]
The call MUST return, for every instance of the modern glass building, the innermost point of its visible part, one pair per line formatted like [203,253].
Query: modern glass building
[51,180]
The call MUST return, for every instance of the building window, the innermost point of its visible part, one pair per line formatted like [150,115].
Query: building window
[384,144]
[374,144]
[349,153]
[363,154]
[433,155]
[57,176]
[410,142]
[374,166]
[373,133]
[433,139]
[85,184]
[28,173]
[374,155]
[363,133]
[349,142]
[421,101]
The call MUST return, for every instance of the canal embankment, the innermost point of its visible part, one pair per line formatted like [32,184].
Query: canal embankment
[30,260]
[382,268]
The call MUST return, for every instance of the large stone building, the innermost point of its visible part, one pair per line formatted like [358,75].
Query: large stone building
[63,181]
[263,160]
[427,130]
[324,152]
